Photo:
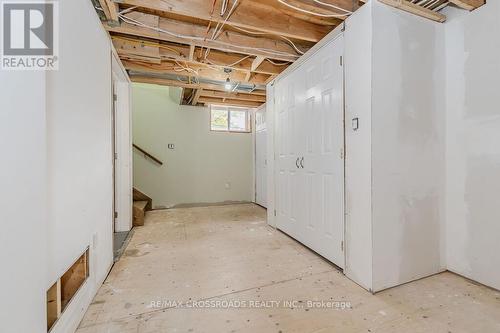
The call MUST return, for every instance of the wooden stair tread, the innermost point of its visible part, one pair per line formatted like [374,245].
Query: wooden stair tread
[140,204]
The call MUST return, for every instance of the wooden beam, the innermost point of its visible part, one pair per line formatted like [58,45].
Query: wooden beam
[229,41]
[191,52]
[415,9]
[256,63]
[231,95]
[248,16]
[183,84]
[111,10]
[131,48]
[202,71]
[137,50]
[231,102]
[196,97]
[468,4]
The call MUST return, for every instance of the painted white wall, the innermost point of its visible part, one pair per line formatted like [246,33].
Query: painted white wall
[123,146]
[23,239]
[407,147]
[358,90]
[79,138]
[472,143]
[201,164]
[56,174]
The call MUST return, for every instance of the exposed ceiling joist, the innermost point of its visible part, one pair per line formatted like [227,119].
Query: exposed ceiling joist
[146,51]
[230,102]
[238,96]
[177,83]
[262,17]
[110,10]
[468,4]
[196,97]
[201,71]
[410,7]
[229,41]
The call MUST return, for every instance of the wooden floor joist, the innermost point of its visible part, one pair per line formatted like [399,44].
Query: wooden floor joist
[468,4]
[251,42]
[415,9]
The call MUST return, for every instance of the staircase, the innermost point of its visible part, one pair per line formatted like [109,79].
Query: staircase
[142,203]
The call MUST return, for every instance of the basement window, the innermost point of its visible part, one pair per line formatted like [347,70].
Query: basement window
[229,119]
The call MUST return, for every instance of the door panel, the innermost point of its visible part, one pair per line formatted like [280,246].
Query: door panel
[310,127]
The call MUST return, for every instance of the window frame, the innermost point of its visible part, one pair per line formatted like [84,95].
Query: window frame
[228,109]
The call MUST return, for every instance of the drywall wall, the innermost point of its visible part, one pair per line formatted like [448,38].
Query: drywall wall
[204,166]
[358,87]
[79,154]
[23,238]
[407,147]
[472,143]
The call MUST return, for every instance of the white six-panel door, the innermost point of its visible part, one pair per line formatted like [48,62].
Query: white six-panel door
[261,157]
[309,104]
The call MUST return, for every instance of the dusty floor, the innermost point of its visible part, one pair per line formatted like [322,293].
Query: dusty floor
[219,256]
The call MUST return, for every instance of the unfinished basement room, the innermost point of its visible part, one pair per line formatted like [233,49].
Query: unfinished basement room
[267,166]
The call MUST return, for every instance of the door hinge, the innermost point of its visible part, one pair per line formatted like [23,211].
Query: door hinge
[341,60]
[275,212]
[342,155]
[116,215]
[342,246]
[116,156]
[115,97]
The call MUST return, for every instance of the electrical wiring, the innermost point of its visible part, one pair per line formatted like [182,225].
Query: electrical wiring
[292,44]
[196,38]
[276,63]
[229,65]
[223,7]
[127,10]
[332,6]
[227,18]
[311,13]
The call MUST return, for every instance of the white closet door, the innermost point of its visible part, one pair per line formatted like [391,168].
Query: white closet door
[309,124]
[260,157]
[290,141]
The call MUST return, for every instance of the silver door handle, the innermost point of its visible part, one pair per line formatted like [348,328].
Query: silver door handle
[297,162]
[302,162]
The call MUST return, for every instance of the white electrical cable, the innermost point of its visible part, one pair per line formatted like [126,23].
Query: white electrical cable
[292,44]
[223,7]
[227,18]
[277,63]
[311,13]
[196,38]
[332,6]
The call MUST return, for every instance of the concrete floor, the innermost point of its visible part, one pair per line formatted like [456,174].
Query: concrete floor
[228,254]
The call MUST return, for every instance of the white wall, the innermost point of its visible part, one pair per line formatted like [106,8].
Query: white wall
[407,147]
[358,90]
[56,174]
[472,143]
[23,239]
[201,164]
[79,136]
